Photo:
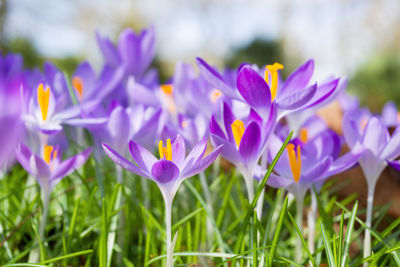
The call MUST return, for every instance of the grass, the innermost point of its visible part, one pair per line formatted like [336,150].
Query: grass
[94,221]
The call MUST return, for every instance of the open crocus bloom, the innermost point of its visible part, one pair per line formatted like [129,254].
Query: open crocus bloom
[380,146]
[173,166]
[44,115]
[308,160]
[291,95]
[48,168]
[243,142]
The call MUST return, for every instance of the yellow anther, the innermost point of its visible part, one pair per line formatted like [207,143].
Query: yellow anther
[47,153]
[43,100]
[215,95]
[167,88]
[165,152]
[294,161]
[303,135]
[273,71]
[184,124]
[77,82]
[237,130]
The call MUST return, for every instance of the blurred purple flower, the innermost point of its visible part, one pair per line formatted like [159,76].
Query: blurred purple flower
[44,113]
[49,169]
[134,52]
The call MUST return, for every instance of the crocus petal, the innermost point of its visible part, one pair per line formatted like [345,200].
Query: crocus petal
[39,167]
[23,155]
[214,78]
[350,130]
[389,114]
[178,150]
[298,98]
[253,88]
[202,164]
[215,128]
[298,79]
[124,163]
[229,150]
[229,118]
[86,122]
[164,171]
[276,181]
[196,153]
[392,149]
[344,163]
[144,158]
[249,147]
[109,51]
[323,92]
[317,171]
[119,127]
[148,132]
[375,136]
[395,164]
[64,169]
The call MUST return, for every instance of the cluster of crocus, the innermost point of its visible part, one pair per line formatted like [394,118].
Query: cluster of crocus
[245,114]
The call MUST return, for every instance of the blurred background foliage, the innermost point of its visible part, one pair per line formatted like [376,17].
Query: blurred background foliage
[339,36]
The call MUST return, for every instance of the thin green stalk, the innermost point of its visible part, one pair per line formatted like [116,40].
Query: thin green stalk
[299,221]
[368,222]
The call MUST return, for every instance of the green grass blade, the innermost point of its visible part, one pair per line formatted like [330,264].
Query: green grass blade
[275,240]
[303,241]
[328,249]
[349,231]
[261,187]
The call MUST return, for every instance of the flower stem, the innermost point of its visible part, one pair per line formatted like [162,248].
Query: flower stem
[299,221]
[368,222]
[168,215]
[312,215]
[46,202]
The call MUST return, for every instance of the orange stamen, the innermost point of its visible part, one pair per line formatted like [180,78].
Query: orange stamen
[43,100]
[303,135]
[273,71]
[294,161]
[238,131]
[77,82]
[167,88]
[215,95]
[47,153]
[165,151]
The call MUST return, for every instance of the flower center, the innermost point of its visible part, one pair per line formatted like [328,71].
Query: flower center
[237,130]
[303,136]
[273,71]
[77,82]
[43,100]
[294,161]
[215,95]
[165,152]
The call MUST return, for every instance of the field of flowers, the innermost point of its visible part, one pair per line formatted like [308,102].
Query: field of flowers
[95,167]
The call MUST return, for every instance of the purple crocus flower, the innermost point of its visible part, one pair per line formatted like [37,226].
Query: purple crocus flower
[134,52]
[309,161]
[44,114]
[311,158]
[243,142]
[49,169]
[133,123]
[390,116]
[168,172]
[381,148]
